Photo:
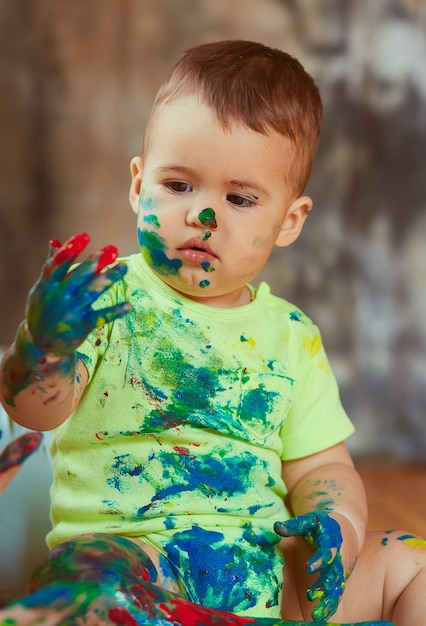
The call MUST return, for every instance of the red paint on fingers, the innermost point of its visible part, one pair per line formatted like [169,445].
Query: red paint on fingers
[71,248]
[108,254]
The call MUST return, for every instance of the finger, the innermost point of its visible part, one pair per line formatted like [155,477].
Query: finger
[88,274]
[82,287]
[296,526]
[96,319]
[328,588]
[322,557]
[327,603]
[104,280]
[106,256]
[325,608]
[58,265]
[92,286]
[54,245]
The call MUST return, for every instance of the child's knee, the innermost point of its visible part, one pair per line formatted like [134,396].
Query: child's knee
[101,559]
[396,548]
[388,563]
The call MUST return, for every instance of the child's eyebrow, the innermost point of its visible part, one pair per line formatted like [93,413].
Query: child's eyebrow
[250,185]
[175,169]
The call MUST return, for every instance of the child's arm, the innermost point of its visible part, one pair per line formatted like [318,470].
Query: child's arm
[324,489]
[41,380]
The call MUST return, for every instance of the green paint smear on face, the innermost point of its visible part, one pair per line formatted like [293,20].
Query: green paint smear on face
[208,218]
[204,283]
[153,250]
[152,219]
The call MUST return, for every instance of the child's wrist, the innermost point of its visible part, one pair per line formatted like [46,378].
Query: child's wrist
[30,352]
[350,542]
[26,363]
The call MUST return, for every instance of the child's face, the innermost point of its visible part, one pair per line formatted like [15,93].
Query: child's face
[212,203]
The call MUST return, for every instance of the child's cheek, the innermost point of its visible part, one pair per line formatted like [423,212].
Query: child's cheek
[154,250]
[260,242]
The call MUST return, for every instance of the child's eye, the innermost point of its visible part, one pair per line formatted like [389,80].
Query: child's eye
[240,201]
[178,186]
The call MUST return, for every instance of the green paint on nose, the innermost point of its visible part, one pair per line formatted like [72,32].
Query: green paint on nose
[208,218]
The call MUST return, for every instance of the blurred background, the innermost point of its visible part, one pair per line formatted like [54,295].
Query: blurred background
[77,80]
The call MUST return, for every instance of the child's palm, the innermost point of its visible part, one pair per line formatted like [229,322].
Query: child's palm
[59,309]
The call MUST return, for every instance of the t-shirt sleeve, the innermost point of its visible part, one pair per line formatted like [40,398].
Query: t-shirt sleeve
[316,420]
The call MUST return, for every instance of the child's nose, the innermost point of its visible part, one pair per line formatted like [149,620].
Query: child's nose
[205,218]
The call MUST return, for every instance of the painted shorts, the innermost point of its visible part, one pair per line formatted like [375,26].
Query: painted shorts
[231,569]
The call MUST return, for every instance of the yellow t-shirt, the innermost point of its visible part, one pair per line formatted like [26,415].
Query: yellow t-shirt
[189,412]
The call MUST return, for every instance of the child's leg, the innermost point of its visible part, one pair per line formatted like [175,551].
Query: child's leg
[106,580]
[388,582]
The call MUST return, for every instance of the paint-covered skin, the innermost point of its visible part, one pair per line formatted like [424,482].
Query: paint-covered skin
[19,450]
[107,580]
[413,541]
[154,247]
[323,533]
[208,218]
[59,311]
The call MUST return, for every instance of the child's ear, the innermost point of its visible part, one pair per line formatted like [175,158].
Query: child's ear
[136,171]
[293,221]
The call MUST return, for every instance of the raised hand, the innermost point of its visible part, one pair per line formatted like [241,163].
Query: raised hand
[59,313]
[323,533]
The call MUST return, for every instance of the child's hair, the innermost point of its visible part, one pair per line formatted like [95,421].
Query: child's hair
[264,88]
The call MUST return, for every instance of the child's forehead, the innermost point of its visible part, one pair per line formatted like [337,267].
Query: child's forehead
[186,126]
[188,110]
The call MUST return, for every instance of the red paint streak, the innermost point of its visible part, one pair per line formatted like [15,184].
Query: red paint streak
[145,576]
[122,617]
[108,255]
[184,612]
[183,451]
[71,248]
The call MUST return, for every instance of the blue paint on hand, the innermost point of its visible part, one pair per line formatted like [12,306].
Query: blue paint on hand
[322,532]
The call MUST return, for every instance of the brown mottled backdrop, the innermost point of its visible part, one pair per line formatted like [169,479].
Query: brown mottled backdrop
[76,83]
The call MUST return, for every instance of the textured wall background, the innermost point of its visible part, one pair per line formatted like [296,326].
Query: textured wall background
[76,84]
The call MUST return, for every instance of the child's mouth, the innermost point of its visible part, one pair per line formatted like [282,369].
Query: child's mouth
[193,252]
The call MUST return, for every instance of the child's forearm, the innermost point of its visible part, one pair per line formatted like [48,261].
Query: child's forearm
[41,379]
[338,490]
[39,390]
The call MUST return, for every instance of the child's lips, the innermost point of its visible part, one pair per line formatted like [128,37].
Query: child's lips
[197,251]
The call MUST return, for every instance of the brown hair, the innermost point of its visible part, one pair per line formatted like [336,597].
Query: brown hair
[264,88]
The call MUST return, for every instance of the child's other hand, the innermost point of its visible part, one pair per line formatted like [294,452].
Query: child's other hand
[12,457]
[59,314]
[323,533]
